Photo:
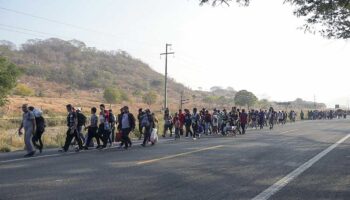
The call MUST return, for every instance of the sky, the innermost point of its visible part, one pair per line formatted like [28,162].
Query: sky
[258,48]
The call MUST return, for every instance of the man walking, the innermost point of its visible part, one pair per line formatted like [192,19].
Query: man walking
[29,125]
[72,132]
[126,124]
[243,120]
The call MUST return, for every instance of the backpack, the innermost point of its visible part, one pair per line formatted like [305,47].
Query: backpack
[145,121]
[112,118]
[81,119]
[188,120]
[215,119]
[40,124]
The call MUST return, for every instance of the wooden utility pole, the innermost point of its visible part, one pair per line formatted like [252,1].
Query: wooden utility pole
[166,75]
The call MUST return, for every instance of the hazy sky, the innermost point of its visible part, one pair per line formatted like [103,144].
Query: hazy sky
[257,48]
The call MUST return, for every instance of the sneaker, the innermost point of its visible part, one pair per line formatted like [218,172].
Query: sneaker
[62,150]
[194,138]
[31,154]
[143,145]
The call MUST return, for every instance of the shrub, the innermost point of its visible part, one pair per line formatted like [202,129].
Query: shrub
[23,90]
[150,98]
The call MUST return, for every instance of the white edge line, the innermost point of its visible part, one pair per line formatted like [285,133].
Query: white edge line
[266,194]
[62,154]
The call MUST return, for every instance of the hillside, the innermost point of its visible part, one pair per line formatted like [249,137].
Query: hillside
[62,71]
[73,63]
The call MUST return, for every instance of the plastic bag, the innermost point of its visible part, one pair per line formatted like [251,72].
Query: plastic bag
[154,135]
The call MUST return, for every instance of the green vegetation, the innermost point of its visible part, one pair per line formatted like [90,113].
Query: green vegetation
[23,90]
[81,67]
[114,95]
[8,78]
[150,98]
[329,18]
[245,98]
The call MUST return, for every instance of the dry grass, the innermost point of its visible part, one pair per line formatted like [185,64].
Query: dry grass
[10,141]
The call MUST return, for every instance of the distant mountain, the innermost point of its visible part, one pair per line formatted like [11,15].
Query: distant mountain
[53,67]
[79,67]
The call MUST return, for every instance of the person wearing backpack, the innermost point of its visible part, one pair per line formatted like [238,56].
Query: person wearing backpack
[139,118]
[104,127]
[167,123]
[81,123]
[147,122]
[72,123]
[29,125]
[40,128]
[126,124]
[112,122]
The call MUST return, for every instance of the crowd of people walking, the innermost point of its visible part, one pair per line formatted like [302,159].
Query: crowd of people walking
[106,128]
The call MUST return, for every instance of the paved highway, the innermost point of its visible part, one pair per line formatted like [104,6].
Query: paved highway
[306,160]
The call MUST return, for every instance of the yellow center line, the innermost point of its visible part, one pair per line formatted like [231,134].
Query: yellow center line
[178,155]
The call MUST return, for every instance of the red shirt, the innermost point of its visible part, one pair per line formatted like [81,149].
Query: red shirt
[243,118]
[182,118]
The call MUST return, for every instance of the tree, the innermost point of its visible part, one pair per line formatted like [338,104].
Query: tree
[329,18]
[245,98]
[150,98]
[8,78]
[215,88]
[112,95]
[264,104]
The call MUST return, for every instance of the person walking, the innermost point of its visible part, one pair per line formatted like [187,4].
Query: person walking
[92,130]
[112,122]
[126,124]
[104,129]
[147,122]
[29,125]
[243,118]
[188,123]
[182,122]
[40,128]
[139,116]
[167,123]
[72,132]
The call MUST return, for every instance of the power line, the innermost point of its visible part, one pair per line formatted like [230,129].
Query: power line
[15,31]
[71,25]
[52,20]
[25,29]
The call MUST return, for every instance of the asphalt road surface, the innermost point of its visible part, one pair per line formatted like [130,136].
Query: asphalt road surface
[305,160]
